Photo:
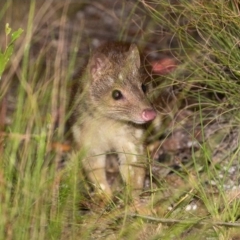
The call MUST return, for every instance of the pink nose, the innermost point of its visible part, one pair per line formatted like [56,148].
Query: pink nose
[148,114]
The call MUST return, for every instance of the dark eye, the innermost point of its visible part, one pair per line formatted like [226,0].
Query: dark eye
[116,94]
[144,88]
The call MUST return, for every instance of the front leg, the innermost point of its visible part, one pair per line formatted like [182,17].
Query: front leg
[133,168]
[95,168]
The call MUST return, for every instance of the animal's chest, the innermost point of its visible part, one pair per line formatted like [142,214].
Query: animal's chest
[105,136]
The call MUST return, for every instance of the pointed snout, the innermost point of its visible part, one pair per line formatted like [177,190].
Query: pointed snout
[149,114]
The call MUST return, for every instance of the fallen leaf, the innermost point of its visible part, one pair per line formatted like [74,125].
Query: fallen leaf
[164,66]
[60,147]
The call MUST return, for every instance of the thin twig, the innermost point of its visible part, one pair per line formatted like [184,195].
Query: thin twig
[186,221]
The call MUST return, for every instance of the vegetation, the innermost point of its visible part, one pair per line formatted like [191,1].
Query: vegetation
[40,199]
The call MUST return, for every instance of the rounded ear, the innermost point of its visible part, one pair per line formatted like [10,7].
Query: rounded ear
[98,64]
[133,55]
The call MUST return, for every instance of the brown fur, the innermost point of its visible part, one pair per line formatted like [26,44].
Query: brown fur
[103,124]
